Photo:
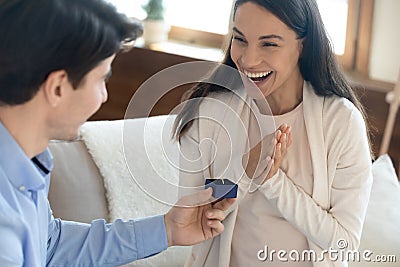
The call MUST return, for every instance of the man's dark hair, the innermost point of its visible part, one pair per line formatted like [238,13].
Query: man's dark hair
[42,36]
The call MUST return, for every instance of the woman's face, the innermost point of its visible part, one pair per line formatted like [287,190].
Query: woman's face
[266,50]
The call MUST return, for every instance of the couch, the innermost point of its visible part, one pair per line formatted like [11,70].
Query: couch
[107,173]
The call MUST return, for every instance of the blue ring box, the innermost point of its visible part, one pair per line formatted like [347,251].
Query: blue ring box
[222,188]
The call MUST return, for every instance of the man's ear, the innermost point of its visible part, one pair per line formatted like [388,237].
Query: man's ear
[54,87]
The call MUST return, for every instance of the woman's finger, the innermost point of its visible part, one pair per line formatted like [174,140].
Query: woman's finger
[283,127]
[278,134]
[283,142]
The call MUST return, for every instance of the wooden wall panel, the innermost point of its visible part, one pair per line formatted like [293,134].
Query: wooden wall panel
[130,70]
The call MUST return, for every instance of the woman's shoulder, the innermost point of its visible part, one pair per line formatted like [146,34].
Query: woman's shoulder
[341,111]
[339,104]
[332,103]
[335,108]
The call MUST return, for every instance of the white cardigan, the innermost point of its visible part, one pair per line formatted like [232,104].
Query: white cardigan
[341,165]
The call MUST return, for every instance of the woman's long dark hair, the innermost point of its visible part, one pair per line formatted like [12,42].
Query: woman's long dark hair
[317,63]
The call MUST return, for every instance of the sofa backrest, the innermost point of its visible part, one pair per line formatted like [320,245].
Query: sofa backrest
[76,188]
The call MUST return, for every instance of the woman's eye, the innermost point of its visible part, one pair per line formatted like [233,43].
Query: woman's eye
[269,44]
[238,38]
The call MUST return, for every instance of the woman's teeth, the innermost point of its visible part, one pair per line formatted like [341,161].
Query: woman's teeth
[257,76]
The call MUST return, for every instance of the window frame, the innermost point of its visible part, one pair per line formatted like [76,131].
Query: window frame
[356,57]
[197,37]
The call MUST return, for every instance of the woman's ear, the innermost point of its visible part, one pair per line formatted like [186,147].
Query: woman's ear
[54,87]
[301,41]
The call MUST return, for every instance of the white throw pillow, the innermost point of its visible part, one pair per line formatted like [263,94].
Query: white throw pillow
[131,154]
[381,233]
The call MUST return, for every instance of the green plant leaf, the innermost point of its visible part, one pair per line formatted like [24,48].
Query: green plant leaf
[154,10]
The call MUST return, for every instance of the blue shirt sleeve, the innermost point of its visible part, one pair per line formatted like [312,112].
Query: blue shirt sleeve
[104,244]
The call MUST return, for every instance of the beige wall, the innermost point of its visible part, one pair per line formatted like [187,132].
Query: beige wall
[385,46]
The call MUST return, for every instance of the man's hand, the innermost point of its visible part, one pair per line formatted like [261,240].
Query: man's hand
[194,219]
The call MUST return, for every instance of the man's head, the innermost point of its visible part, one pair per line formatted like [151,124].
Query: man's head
[42,36]
[55,56]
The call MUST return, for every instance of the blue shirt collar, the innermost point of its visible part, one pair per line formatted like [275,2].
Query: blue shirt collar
[20,170]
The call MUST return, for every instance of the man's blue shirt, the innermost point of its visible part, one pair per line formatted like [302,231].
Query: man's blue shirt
[31,236]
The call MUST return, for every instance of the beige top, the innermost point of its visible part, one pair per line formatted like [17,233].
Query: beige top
[259,225]
[341,167]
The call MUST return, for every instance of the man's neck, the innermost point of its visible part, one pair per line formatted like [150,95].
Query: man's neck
[24,125]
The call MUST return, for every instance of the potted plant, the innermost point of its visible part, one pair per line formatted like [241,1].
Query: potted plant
[155,29]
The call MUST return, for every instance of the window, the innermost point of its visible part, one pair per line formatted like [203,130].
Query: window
[206,15]
[130,8]
[207,22]
[213,16]
[334,15]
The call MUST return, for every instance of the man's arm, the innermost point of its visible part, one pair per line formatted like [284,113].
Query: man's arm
[194,219]
[99,243]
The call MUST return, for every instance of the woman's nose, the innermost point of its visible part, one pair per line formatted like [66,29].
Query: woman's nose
[251,57]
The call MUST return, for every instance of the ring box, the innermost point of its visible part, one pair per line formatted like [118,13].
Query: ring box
[222,188]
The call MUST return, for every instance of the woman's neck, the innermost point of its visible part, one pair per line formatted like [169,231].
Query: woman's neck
[286,100]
